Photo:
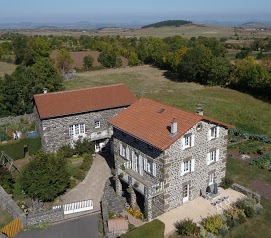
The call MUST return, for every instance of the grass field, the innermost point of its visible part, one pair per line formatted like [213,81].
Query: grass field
[187,31]
[230,106]
[6,68]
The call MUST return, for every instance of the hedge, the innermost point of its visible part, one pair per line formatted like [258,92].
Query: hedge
[153,229]
[15,149]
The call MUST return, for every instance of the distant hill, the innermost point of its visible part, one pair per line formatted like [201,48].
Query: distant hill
[167,23]
[255,25]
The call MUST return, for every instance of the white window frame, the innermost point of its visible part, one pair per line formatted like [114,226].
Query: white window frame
[186,191]
[213,132]
[77,129]
[187,167]
[97,124]
[154,169]
[188,141]
[212,156]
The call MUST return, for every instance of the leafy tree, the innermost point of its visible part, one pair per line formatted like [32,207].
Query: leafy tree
[245,52]
[19,44]
[108,59]
[45,177]
[88,62]
[219,71]
[133,59]
[6,179]
[195,64]
[63,60]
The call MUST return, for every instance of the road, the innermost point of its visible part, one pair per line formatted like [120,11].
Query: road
[84,227]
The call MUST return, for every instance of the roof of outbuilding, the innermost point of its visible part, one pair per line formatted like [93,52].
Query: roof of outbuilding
[150,121]
[83,100]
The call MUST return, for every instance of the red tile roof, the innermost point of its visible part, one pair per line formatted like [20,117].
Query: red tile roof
[83,100]
[150,121]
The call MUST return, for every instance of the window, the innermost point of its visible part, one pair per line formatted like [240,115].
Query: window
[188,141]
[213,156]
[211,178]
[213,133]
[147,166]
[154,169]
[122,150]
[187,166]
[97,124]
[185,193]
[77,129]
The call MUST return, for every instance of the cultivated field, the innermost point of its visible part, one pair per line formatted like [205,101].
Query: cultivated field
[239,109]
[188,31]
[6,68]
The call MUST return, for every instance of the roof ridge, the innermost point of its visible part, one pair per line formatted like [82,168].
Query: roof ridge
[80,89]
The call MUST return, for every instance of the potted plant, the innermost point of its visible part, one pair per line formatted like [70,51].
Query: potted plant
[121,175]
[122,167]
[129,190]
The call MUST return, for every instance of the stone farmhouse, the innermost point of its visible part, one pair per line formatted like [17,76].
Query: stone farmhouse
[64,117]
[165,155]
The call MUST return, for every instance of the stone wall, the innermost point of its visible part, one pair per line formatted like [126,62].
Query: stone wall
[16,119]
[199,179]
[3,235]
[10,206]
[247,192]
[54,132]
[52,215]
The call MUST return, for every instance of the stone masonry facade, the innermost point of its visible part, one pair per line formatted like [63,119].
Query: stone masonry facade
[199,178]
[54,132]
[168,165]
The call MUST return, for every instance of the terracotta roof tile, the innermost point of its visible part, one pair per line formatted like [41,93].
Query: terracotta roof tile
[83,100]
[150,121]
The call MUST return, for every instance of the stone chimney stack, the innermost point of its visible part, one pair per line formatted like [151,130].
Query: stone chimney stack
[174,126]
[199,111]
[45,90]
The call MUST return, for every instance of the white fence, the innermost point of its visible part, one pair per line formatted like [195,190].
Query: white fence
[75,207]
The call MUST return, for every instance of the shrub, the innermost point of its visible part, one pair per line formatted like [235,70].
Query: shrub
[248,205]
[87,162]
[213,223]
[84,146]
[80,175]
[224,230]
[186,227]
[226,182]
[6,180]
[66,151]
[234,217]
[72,183]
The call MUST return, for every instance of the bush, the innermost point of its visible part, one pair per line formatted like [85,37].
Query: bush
[72,183]
[226,182]
[84,146]
[66,151]
[213,224]
[234,217]
[80,175]
[186,227]
[224,230]
[6,180]
[87,162]
[249,206]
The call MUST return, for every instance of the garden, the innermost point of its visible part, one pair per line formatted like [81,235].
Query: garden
[220,224]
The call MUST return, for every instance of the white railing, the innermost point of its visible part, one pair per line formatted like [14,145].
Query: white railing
[75,207]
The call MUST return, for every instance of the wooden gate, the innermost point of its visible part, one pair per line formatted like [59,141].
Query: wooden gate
[12,228]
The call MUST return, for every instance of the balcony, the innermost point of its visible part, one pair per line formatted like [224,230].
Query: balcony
[101,134]
[139,182]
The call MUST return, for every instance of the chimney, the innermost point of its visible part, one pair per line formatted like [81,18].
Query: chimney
[174,126]
[45,90]
[199,111]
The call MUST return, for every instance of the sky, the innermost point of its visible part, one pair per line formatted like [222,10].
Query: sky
[120,11]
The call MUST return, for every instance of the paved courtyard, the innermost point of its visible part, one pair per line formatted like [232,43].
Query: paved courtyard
[92,186]
[196,209]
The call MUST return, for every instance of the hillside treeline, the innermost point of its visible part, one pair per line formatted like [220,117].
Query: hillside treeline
[175,23]
[201,60]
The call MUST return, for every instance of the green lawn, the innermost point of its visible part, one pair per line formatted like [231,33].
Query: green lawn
[230,106]
[244,174]
[153,229]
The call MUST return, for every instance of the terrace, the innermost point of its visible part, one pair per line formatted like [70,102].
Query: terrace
[198,209]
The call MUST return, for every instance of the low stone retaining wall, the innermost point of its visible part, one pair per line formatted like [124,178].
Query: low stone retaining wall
[10,206]
[247,192]
[16,119]
[52,215]
[2,235]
